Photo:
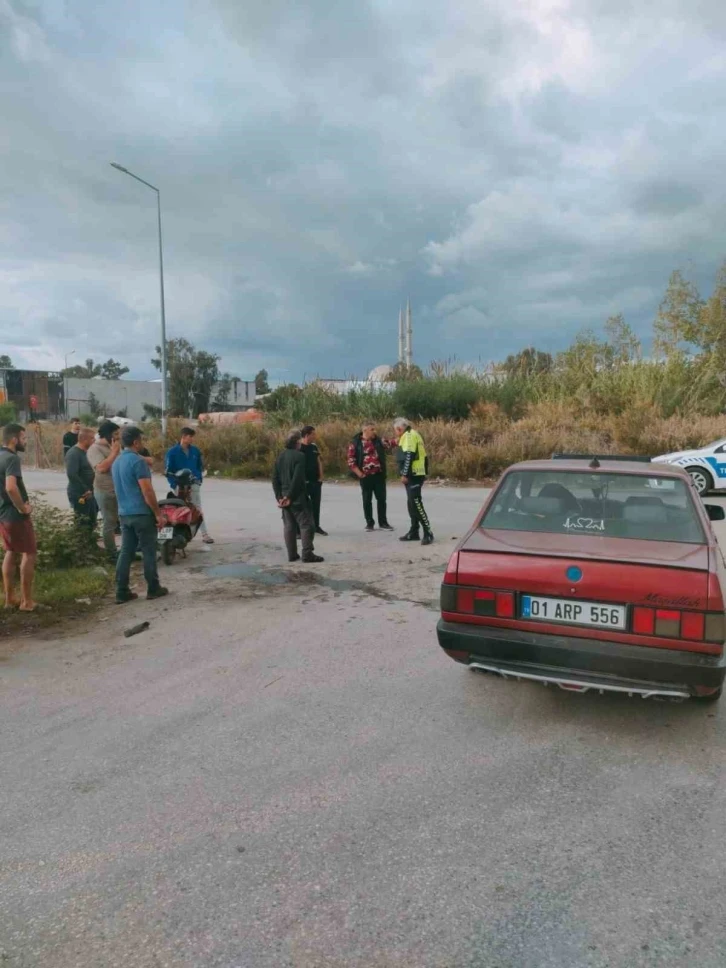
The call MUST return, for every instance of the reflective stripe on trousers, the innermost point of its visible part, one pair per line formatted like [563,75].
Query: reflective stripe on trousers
[416,509]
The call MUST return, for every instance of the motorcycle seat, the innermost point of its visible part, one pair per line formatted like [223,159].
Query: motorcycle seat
[172,502]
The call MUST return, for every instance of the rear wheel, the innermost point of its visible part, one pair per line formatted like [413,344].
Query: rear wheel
[168,552]
[702,480]
[711,697]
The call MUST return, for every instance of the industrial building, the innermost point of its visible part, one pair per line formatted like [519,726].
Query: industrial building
[34,393]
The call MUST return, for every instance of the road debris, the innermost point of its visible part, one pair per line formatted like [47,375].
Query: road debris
[134,630]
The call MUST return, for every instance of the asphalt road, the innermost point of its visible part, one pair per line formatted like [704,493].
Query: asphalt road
[288,772]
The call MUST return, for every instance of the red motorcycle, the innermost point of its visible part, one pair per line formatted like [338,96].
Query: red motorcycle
[182,519]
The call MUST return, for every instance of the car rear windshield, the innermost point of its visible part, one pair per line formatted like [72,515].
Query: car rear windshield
[606,505]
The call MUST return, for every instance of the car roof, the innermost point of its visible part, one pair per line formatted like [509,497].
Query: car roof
[605,466]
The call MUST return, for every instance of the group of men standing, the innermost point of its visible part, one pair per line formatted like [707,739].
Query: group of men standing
[109,471]
[298,478]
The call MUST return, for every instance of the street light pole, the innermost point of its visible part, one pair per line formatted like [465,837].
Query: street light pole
[65,380]
[161,294]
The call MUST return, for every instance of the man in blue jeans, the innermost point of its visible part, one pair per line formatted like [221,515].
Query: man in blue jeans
[140,517]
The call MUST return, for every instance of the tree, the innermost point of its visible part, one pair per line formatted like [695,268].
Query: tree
[87,372]
[221,402]
[527,362]
[281,397]
[677,323]
[5,362]
[191,374]
[151,412]
[95,408]
[711,336]
[626,347]
[112,370]
[584,358]
[261,384]
[400,373]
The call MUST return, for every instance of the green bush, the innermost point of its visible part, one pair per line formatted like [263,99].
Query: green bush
[449,397]
[8,413]
[292,406]
[61,543]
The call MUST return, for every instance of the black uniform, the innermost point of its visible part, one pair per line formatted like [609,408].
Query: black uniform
[313,485]
[288,480]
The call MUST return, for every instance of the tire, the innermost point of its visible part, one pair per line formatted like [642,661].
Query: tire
[702,479]
[712,697]
[168,552]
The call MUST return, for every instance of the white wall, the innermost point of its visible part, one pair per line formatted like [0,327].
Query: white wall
[114,395]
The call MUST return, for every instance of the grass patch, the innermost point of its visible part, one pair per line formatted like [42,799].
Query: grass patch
[60,589]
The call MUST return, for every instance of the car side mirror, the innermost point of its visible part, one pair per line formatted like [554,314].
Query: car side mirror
[715,512]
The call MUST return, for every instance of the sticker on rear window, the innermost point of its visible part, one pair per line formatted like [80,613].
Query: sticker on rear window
[584,524]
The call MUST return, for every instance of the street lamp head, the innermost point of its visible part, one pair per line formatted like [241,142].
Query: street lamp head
[120,167]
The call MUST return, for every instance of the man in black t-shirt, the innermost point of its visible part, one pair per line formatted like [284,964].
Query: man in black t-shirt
[70,437]
[313,474]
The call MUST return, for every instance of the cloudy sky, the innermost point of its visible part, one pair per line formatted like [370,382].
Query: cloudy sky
[522,168]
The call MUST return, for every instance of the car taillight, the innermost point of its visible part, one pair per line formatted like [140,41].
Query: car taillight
[505,605]
[643,621]
[693,626]
[670,623]
[667,623]
[465,600]
[485,602]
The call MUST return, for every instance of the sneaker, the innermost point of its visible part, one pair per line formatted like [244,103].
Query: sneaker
[370,527]
[207,539]
[159,592]
[319,530]
[386,527]
[411,536]
[296,558]
[312,558]
[428,538]
[123,597]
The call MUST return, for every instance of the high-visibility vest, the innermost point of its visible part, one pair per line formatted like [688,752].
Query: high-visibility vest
[412,442]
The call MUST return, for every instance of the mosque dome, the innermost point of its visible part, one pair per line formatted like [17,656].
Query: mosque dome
[379,374]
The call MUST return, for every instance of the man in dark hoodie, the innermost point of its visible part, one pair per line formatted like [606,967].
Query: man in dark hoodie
[288,483]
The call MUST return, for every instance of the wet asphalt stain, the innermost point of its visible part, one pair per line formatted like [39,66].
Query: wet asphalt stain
[269,577]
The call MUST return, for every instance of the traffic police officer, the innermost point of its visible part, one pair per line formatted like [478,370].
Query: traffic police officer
[413,466]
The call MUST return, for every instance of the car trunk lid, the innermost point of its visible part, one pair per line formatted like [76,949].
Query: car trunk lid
[663,574]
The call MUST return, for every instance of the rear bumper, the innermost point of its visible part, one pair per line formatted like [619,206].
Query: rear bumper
[582,663]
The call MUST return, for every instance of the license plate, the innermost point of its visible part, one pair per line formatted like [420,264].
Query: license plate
[561,611]
[166,534]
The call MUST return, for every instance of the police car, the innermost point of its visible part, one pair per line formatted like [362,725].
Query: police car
[706,466]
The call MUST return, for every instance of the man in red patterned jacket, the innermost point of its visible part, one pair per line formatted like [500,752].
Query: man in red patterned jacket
[367,460]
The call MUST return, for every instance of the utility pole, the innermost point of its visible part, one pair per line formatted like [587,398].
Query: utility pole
[164,397]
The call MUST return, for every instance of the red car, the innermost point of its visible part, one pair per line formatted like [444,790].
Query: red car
[591,573]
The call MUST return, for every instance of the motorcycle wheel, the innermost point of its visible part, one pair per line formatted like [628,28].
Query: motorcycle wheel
[168,552]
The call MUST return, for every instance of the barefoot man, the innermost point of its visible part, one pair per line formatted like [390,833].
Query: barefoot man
[16,528]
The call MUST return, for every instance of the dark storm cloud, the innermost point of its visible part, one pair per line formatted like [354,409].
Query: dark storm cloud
[520,169]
